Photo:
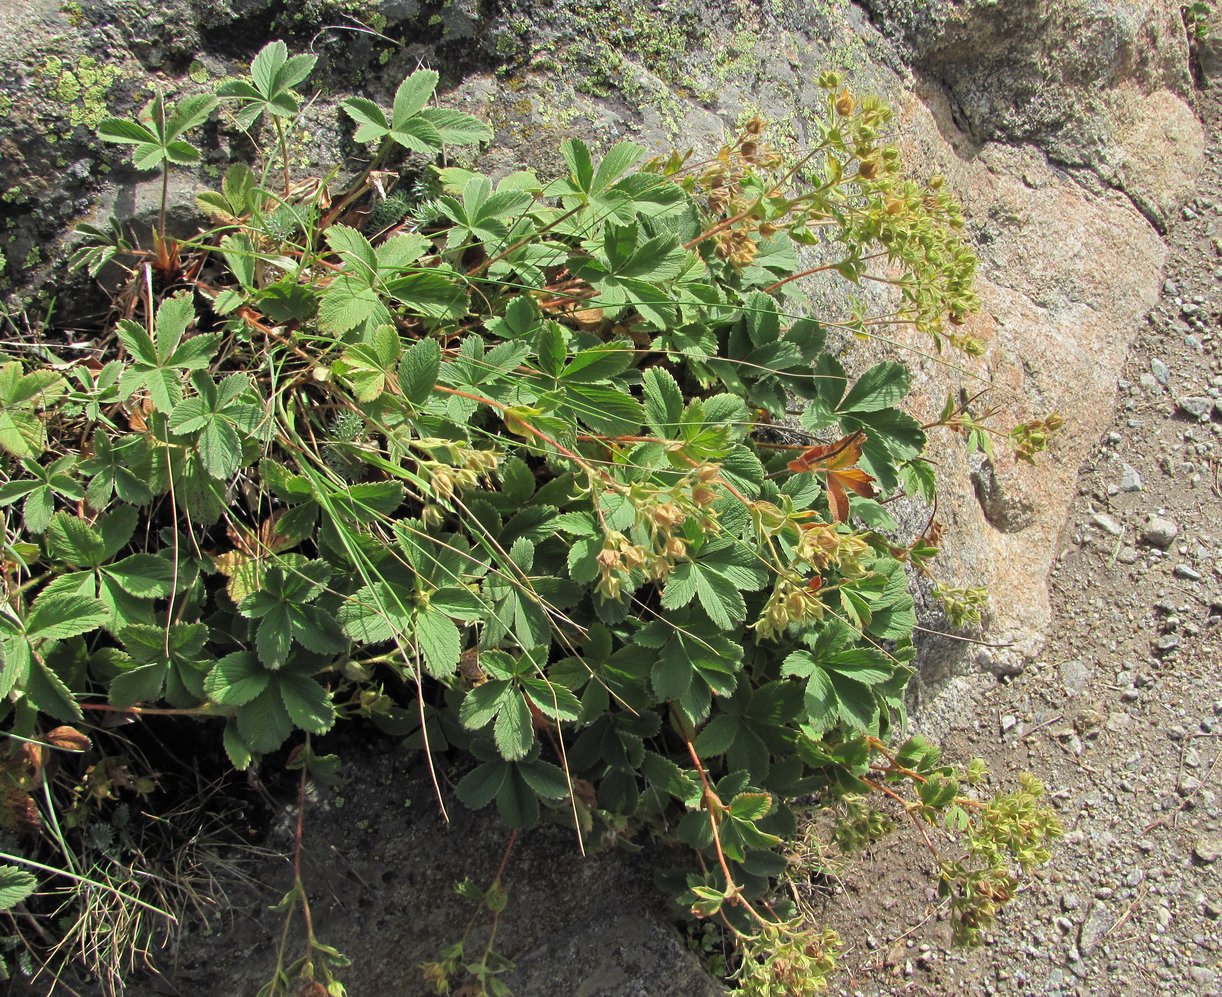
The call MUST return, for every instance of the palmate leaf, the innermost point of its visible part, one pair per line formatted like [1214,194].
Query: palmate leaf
[236,679]
[16,885]
[605,192]
[156,137]
[411,124]
[121,467]
[158,362]
[169,658]
[356,295]
[893,614]
[839,687]
[440,642]
[752,726]
[368,366]
[282,607]
[271,703]
[691,664]
[273,75]
[482,215]
[882,386]
[836,463]
[516,786]
[22,397]
[717,577]
[500,703]
[221,419]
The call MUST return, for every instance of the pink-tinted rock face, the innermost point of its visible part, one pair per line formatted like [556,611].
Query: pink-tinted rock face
[1095,85]
[1066,277]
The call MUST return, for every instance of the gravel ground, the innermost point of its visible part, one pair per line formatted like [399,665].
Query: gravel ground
[1121,717]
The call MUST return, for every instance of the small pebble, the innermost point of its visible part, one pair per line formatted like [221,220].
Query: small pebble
[1197,406]
[1208,848]
[1093,928]
[1075,675]
[1166,643]
[1160,532]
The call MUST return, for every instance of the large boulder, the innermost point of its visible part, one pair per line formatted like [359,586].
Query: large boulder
[1099,85]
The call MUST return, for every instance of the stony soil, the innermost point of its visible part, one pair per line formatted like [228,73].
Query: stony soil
[1122,715]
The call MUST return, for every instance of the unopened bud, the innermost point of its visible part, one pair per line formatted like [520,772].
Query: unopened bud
[770,517]
[667,515]
[633,556]
[609,558]
[844,104]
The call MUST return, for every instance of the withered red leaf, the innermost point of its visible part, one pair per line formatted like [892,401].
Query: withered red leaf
[68,739]
[837,463]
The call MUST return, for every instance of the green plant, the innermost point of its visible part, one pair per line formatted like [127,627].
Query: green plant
[114,884]
[509,478]
[157,138]
[485,966]
[273,74]
[992,834]
[1196,15]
